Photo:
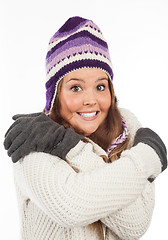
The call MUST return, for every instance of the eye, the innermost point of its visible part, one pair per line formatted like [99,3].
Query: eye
[76,88]
[101,87]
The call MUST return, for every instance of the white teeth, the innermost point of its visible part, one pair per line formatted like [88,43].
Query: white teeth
[88,114]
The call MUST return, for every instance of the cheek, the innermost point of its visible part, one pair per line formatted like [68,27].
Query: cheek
[69,104]
[106,102]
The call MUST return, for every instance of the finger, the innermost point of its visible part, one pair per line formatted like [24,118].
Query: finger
[12,126]
[14,131]
[19,140]
[29,145]
[21,152]
[20,129]
[11,134]
[15,117]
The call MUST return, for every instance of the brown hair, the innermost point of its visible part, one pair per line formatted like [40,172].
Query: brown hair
[103,136]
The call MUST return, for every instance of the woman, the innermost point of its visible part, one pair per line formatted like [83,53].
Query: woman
[67,183]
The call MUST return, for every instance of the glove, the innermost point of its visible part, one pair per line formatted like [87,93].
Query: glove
[147,136]
[37,132]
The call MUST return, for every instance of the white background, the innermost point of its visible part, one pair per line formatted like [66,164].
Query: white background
[137,34]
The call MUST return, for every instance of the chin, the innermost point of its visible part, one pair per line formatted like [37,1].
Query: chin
[83,132]
[87,132]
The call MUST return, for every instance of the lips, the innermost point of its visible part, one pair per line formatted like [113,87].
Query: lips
[88,115]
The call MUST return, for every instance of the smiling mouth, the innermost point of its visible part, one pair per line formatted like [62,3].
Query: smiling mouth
[88,114]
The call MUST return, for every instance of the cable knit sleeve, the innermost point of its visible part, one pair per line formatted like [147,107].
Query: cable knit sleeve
[133,221]
[78,199]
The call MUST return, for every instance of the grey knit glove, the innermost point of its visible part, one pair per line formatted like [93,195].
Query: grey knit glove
[37,132]
[147,136]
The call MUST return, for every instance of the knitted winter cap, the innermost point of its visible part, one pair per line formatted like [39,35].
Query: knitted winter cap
[78,44]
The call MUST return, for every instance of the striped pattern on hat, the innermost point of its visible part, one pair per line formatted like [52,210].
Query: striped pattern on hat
[78,44]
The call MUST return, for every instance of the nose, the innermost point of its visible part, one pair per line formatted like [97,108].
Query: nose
[89,98]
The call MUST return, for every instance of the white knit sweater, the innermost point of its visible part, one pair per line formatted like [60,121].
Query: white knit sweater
[58,200]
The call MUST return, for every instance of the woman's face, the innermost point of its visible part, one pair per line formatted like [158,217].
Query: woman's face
[85,99]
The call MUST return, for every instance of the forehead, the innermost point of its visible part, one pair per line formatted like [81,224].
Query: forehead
[86,73]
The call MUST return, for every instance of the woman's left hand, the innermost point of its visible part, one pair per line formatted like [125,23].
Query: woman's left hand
[37,132]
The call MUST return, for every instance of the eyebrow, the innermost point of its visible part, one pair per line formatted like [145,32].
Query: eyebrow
[75,79]
[78,79]
[101,79]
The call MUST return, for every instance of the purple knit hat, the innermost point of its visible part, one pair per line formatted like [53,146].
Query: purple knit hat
[78,44]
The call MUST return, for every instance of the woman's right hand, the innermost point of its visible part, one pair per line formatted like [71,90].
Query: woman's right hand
[149,137]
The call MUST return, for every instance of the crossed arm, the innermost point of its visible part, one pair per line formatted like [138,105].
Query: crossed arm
[110,192]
